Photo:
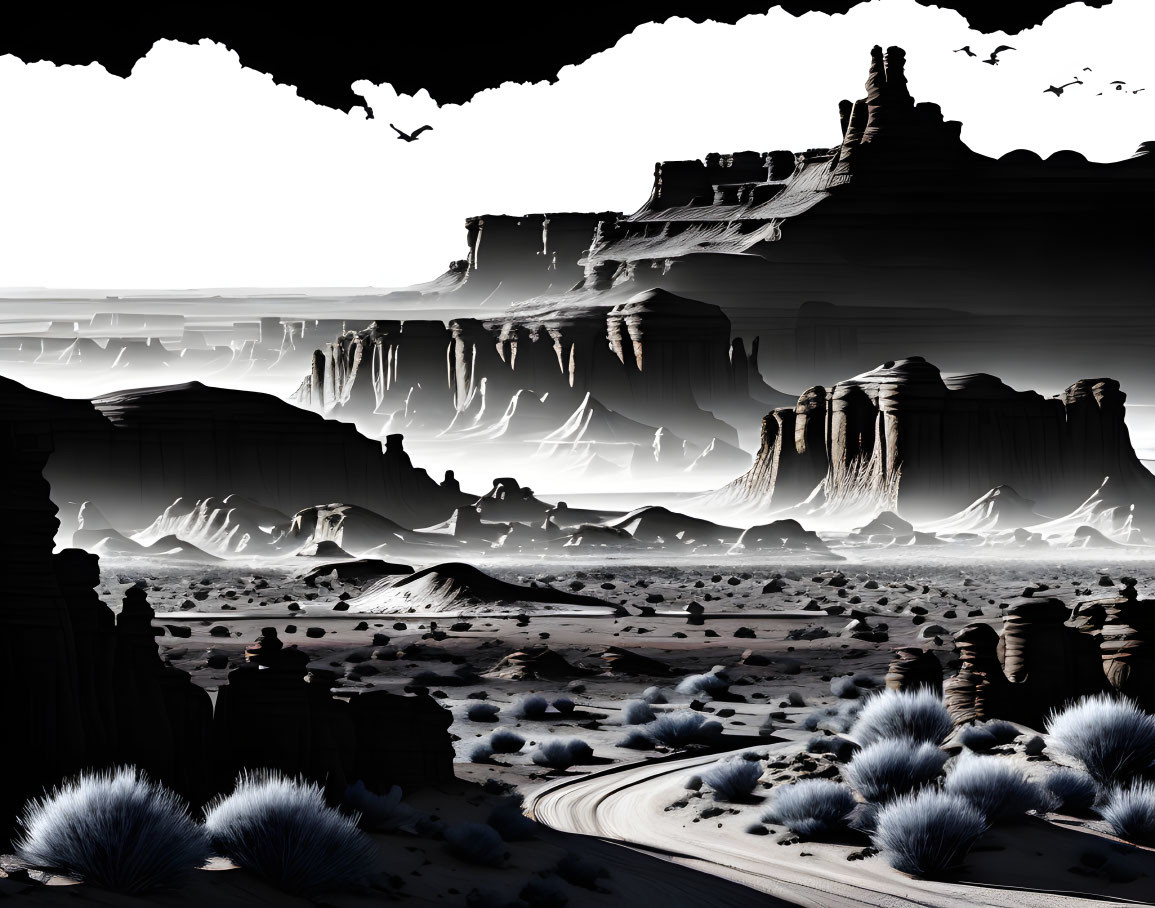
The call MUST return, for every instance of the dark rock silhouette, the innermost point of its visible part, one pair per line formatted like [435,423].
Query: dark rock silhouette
[136,452]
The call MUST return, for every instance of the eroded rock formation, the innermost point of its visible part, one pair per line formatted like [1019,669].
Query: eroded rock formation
[906,437]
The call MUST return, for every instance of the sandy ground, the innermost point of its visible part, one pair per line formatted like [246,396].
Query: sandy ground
[209,613]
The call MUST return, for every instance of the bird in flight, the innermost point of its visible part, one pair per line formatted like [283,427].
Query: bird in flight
[410,136]
[1137,90]
[1087,69]
[967,50]
[993,59]
[1058,89]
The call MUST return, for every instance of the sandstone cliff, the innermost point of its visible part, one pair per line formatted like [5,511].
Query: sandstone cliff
[905,437]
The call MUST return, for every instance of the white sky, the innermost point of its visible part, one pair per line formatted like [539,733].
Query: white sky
[197,172]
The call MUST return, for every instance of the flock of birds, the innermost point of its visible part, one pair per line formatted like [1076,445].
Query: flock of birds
[1056,90]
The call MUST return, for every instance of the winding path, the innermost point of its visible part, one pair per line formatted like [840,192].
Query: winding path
[626,804]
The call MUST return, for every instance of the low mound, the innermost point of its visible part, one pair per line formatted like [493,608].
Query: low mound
[1002,508]
[114,545]
[360,571]
[782,536]
[658,524]
[454,585]
[323,549]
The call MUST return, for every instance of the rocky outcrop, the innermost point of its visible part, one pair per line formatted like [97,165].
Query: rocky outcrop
[905,437]
[1127,642]
[137,452]
[655,378]
[979,690]
[1046,661]
[912,668]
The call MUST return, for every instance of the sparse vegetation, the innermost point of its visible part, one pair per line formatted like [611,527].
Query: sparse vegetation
[917,715]
[654,695]
[994,786]
[637,712]
[510,822]
[635,739]
[1070,789]
[564,705]
[504,741]
[810,807]
[481,752]
[681,728]
[927,833]
[114,829]
[475,843]
[708,684]
[482,712]
[378,813]
[889,768]
[1130,812]
[561,753]
[1110,736]
[282,830]
[532,706]
[733,780]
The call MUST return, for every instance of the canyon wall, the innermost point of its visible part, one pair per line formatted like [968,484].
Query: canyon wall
[903,436]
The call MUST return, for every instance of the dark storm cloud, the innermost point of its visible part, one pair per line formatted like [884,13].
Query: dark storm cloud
[451,52]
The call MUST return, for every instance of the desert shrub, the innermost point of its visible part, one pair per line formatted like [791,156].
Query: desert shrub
[704,685]
[918,715]
[504,741]
[654,695]
[680,728]
[510,822]
[993,786]
[561,753]
[865,681]
[794,698]
[1130,812]
[840,748]
[635,739]
[1070,789]
[864,817]
[564,705]
[481,752]
[836,719]
[378,813]
[579,871]
[530,707]
[1003,732]
[978,739]
[844,687]
[475,843]
[282,830]
[732,780]
[811,807]
[482,712]
[928,832]
[544,890]
[1112,737]
[637,712]
[115,829]
[885,769]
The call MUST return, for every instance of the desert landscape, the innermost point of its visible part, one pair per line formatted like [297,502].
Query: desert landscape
[769,545]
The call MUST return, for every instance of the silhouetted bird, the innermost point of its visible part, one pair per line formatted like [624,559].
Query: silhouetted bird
[967,50]
[993,59]
[1137,90]
[1086,69]
[1058,89]
[410,136]
[1118,85]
